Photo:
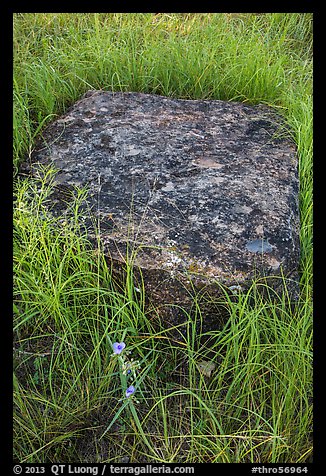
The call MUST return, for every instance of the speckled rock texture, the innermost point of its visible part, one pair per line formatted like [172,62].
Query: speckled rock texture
[201,191]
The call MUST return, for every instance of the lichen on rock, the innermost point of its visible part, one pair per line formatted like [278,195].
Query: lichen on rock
[192,187]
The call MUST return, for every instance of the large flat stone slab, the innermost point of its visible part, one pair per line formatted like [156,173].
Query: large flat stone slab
[202,191]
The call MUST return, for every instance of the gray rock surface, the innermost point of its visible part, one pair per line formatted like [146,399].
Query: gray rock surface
[201,191]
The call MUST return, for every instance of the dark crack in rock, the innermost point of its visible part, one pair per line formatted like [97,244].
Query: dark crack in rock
[203,191]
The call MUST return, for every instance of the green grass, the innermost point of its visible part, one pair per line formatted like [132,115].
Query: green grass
[257,404]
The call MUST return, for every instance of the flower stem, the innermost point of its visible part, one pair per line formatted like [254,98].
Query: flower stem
[139,426]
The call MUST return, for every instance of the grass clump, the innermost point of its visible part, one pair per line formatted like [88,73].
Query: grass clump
[255,404]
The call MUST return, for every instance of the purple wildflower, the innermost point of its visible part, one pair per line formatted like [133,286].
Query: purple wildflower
[130,390]
[118,347]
